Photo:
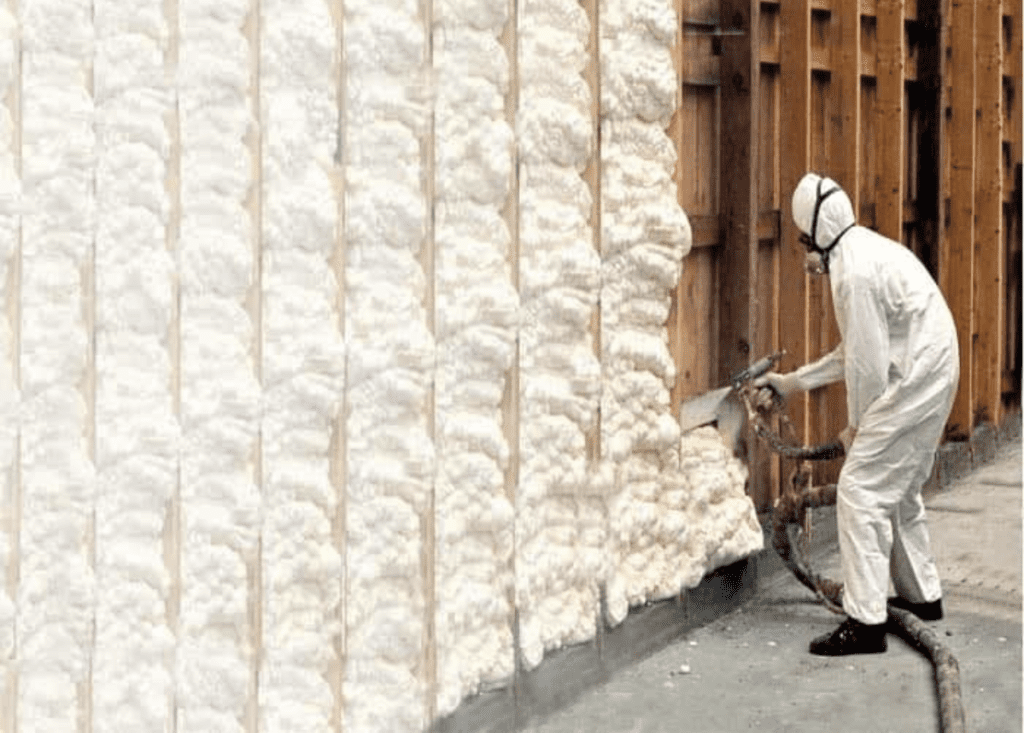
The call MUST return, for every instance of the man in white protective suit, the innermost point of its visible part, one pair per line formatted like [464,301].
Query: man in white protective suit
[900,360]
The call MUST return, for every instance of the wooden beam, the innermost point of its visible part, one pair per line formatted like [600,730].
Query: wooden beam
[795,71]
[889,120]
[956,260]
[740,68]
[844,154]
[989,242]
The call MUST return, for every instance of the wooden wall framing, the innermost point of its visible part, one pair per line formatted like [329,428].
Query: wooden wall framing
[914,107]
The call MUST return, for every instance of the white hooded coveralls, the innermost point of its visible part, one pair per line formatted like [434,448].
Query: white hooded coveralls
[900,360]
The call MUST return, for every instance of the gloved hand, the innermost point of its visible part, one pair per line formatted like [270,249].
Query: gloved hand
[781,384]
[846,438]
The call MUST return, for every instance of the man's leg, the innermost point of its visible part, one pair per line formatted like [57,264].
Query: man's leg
[865,542]
[915,575]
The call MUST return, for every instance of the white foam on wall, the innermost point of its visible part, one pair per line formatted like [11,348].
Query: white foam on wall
[220,581]
[477,312]
[303,366]
[136,428]
[220,396]
[556,593]
[55,592]
[10,227]
[390,454]
[671,518]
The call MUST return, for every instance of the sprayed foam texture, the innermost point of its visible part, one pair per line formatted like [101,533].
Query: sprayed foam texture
[303,367]
[477,310]
[55,593]
[10,225]
[136,429]
[289,529]
[671,519]
[220,396]
[556,588]
[390,366]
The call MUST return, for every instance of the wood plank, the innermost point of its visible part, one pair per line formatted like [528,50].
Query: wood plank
[844,147]
[956,261]
[795,158]
[706,230]
[695,324]
[1012,46]
[889,119]
[868,44]
[768,150]
[989,242]
[738,256]
[768,35]
[821,40]
[765,465]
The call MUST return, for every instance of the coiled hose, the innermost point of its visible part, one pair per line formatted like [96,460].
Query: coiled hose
[787,515]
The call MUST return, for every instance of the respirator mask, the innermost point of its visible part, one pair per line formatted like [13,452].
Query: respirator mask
[816,259]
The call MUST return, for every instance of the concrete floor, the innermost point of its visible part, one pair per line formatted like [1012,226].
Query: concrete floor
[750,670]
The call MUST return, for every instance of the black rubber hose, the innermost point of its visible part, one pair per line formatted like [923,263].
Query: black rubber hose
[787,512]
[947,671]
[824,452]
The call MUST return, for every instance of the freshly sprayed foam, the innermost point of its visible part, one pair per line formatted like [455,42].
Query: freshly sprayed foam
[136,430]
[477,309]
[303,367]
[10,225]
[55,593]
[390,454]
[220,505]
[635,507]
[671,518]
[559,375]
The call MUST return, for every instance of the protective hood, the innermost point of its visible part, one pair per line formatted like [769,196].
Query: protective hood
[834,216]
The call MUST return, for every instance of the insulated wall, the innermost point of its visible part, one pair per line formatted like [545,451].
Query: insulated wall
[335,385]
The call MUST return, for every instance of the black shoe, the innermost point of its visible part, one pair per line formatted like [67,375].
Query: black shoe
[924,611]
[852,637]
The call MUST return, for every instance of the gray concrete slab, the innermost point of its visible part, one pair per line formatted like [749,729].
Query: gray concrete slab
[750,669]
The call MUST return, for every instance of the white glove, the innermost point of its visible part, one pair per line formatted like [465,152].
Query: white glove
[782,384]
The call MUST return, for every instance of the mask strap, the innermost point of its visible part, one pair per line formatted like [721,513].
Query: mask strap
[819,199]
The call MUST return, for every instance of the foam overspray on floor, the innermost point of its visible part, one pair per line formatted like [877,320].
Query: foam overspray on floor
[333,355]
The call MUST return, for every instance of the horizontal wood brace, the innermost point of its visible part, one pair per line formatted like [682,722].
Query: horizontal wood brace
[707,229]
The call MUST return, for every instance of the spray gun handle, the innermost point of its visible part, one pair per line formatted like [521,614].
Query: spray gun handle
[758,369]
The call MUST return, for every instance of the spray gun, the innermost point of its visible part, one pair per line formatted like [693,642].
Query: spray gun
[725,406]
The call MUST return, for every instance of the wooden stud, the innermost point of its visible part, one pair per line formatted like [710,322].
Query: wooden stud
[956,261]
[738,149]
[1012,196]
[845,157]
[795,71]
[740,299]
[989,243]
[891,188]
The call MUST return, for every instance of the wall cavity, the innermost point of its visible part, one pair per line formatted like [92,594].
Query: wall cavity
[560,377]
[10,253]
[55,592]
[390,456]
[303,364]
[220,394]
[136,429]
[662,503]
[477,312]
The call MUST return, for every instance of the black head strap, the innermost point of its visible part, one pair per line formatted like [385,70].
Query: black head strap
[819,199]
